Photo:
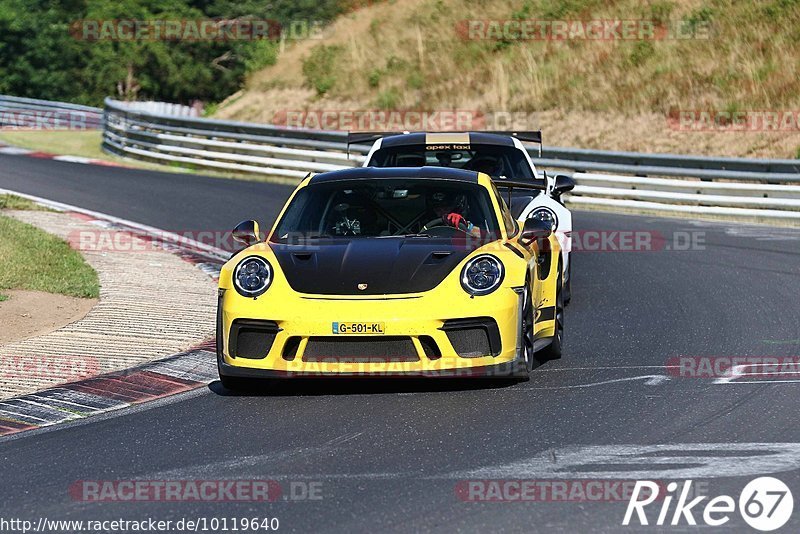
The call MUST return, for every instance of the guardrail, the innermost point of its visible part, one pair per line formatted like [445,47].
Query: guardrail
[742,188]
[164,108]
[745,188]
[32,114]
[581,156]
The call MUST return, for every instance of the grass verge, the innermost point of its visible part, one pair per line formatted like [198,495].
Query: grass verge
[86,144]
[75,143]
[13,202]
[35,260]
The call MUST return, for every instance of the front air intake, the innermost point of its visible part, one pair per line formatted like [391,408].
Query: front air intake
[252,339]
[473,338]
[360,349]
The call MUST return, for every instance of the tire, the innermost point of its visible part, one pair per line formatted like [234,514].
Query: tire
[568,285]
[553,350]
[235,383]
[523,373]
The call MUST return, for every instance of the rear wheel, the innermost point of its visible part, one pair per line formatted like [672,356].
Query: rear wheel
[568,285]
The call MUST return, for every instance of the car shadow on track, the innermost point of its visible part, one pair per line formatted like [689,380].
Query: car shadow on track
[359,386]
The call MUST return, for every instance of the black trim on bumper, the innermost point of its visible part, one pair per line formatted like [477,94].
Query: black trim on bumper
[504,370]
[487,324]
[267,329]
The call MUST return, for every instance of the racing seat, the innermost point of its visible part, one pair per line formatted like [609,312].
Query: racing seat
[411,160]
[487,165]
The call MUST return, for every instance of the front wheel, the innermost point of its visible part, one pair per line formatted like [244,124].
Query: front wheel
[526,327]
[553,351]
[235,383]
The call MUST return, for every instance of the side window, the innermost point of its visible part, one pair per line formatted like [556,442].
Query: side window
[508,219]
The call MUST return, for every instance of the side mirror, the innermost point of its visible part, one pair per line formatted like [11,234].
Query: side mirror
[564,183]
[246,232]
[535,229]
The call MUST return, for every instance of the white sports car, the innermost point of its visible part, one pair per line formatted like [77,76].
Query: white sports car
[501,155]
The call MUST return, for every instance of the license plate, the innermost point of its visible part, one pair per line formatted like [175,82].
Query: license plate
[359,328]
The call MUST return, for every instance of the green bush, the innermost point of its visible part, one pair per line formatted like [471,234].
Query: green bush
[699,16]
[374,77]
[642,51]
[43,55]
[415,79]
[388,99]
[261,54]
[660,11]
[319,68]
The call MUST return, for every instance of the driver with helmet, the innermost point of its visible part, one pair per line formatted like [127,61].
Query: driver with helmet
[450,207]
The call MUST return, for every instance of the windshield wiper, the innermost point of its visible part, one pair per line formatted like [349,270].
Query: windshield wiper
[404,235]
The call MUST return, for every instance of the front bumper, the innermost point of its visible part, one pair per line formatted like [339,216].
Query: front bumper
[421,320]
[509,369]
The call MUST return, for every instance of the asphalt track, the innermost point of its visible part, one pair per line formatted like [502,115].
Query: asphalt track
[391,455]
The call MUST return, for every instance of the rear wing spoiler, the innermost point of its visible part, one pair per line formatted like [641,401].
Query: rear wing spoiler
[512,184]
[357,138]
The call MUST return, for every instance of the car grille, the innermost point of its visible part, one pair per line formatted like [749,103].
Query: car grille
[473,338]
[290,348]
[252,339]
[356,349]
[430,347]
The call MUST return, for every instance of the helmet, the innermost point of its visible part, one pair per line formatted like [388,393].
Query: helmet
[447,199]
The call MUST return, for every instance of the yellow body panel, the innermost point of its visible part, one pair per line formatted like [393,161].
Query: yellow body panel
[414,315]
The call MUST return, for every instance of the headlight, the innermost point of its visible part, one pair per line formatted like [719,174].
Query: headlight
[252,276]
[546,215]
[482,275]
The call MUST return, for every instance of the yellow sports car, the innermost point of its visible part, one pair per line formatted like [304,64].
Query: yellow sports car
[391,272]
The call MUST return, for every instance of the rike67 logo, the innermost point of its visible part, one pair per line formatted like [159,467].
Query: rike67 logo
[765,504]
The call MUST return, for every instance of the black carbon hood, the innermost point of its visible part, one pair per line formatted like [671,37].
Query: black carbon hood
[386,266]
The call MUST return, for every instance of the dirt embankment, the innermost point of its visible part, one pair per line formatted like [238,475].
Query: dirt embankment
[31,313]
[709,59]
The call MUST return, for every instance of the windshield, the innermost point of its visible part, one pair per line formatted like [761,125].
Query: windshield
[496,161]
[388,208]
